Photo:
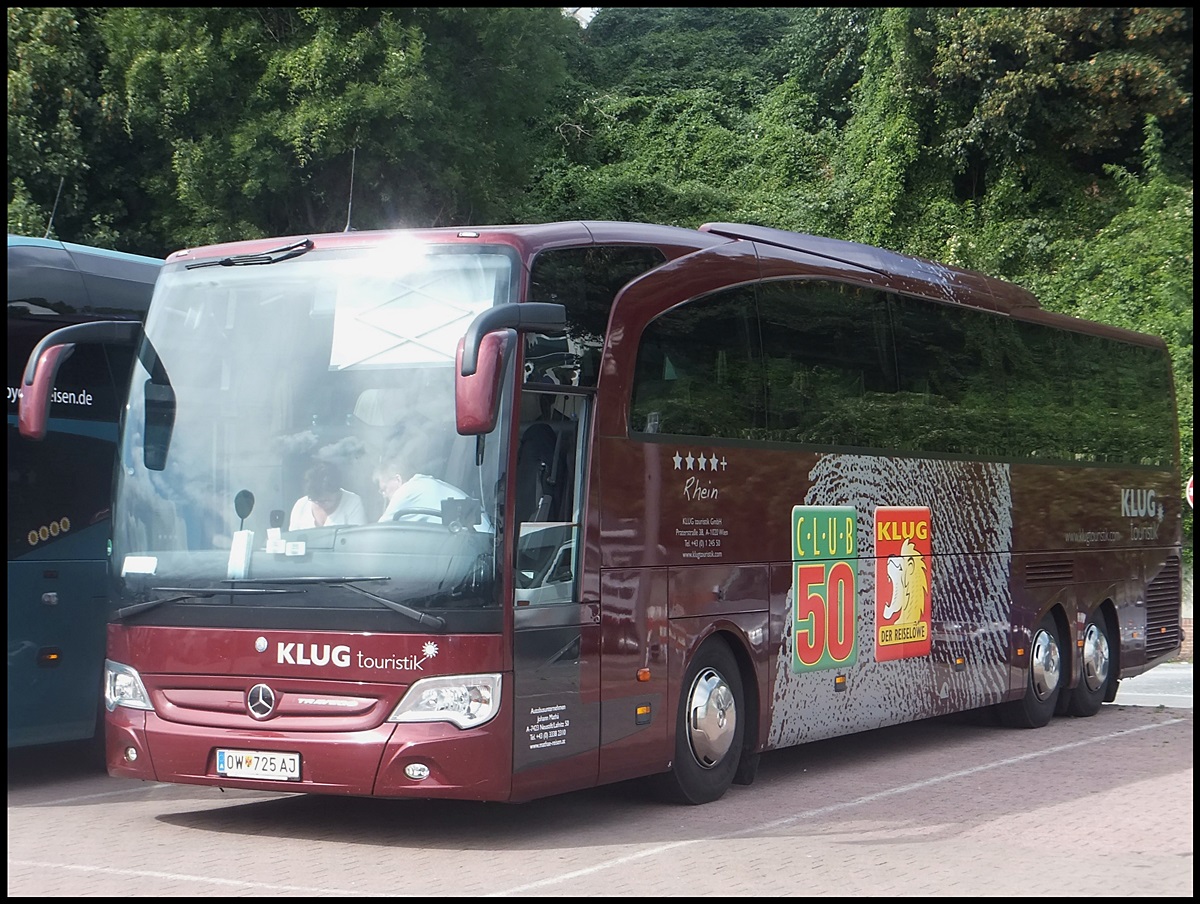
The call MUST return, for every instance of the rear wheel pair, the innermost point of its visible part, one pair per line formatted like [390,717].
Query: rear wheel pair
[1045,676]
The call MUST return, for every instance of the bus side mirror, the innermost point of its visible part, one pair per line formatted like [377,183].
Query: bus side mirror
[160,424]
[483,354]
[477,397]
[41,370]
[33,404]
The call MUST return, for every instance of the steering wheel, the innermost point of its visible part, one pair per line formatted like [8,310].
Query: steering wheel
[434,513]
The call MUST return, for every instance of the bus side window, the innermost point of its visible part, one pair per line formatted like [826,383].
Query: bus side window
[699,369]
[545,471]
[830,373]
[585,280]
[547,492]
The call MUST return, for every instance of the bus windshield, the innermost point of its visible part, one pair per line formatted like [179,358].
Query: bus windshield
[293,424]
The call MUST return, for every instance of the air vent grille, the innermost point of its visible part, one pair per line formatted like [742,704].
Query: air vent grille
[1163,596]
[1058,571]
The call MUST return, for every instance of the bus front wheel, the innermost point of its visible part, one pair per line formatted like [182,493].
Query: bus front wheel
[709,727]
[1043,680]
[1097,668]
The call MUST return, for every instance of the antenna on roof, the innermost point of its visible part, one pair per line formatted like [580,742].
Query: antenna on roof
[350,203]
[50,224]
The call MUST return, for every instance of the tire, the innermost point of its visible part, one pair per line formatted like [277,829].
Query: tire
[1097,668]
[1043,680]
[709,728]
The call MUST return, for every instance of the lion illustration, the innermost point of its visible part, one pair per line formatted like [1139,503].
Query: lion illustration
[910,584]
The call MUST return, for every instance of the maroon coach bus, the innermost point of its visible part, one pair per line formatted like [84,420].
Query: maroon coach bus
[614,500]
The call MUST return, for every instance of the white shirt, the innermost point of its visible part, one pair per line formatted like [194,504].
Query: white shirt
[349,510]
[424,492]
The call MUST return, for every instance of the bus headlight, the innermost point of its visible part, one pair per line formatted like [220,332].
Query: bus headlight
[123,687]
[466,700]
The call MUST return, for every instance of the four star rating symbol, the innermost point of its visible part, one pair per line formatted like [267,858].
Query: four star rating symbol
[701,462]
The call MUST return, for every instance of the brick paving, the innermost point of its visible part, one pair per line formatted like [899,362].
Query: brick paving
[1099,806]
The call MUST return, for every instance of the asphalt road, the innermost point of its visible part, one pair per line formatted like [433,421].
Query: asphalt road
[1169,684]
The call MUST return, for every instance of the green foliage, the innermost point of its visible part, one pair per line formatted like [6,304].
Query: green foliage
[1071,81]
[282,121]
[883,139]
[825,47]
[646,51]
[1051,146]
[63,148]
[51,95]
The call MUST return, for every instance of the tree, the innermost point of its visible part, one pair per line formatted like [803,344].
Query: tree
[265,112]
[69,163]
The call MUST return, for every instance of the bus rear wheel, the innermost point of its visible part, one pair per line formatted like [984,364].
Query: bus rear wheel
[1097,668]
[1043,680]
[709,727]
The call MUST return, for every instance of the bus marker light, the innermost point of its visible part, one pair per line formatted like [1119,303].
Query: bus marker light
[417,771]
[1020,651]
[49,657]
[643,674]
[839,683]
[642,716]
[960,664]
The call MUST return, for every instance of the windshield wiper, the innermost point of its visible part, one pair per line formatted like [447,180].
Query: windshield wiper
[186,593]
[265,257]
[421,618]
[183,593]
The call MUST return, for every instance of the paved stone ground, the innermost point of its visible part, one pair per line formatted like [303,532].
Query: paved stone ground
[1083,807]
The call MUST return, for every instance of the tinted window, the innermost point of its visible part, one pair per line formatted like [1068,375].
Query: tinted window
[1078,397]
[56,487]
[585,280]
[829,370]
[63,483]
[840,366]
[951,395]
[699,370]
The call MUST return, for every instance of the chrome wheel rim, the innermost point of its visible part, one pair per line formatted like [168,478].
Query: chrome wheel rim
[1097,658]
[712,718]
[1045,667]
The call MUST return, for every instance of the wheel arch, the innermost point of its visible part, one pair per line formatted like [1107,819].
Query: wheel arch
[1058,611]
[1068,650]
[739,644]
[751,690]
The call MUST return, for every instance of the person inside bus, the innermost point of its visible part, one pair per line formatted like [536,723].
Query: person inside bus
[325,501]
[412,496]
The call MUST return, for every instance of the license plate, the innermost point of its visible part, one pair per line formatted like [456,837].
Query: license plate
[262,764]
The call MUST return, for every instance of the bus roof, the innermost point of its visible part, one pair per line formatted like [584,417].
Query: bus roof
[902,272]
[878,266]
[527,238]
[48,276]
